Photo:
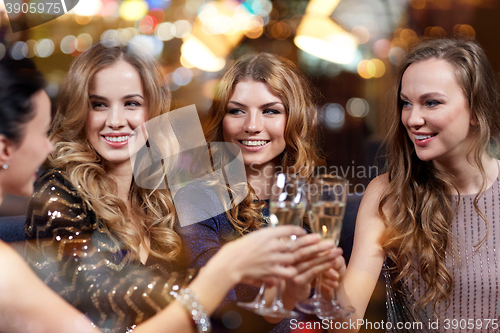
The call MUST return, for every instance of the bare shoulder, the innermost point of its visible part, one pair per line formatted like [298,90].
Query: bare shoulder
[374,193]
[378,185]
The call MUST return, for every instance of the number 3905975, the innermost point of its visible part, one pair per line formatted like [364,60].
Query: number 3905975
[40,8]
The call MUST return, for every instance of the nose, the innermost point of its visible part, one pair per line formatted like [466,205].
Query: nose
[415,118]
[116,118]
[253,123]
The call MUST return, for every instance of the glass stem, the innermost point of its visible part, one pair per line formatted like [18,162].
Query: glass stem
[260,299]
[278,300]
[317,288]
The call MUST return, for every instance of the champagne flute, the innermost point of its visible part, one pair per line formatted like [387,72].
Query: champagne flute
[326,210]
[287,206]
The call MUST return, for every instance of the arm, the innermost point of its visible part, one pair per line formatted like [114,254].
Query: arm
[30,303]
[367,256]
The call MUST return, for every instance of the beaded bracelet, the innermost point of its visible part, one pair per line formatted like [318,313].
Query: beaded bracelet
[190,301]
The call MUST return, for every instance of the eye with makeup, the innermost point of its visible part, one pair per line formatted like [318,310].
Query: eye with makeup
[405,104]
[97,105]
[432,103]
[132,104]
[235,111]
[271,111]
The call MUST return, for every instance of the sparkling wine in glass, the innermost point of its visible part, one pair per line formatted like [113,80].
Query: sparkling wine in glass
[328,195]
[287,206]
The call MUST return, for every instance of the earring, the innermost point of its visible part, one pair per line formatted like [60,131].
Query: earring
[5,166]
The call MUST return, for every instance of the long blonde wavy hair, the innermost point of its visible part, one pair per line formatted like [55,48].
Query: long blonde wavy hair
[421,224]
[153,210]
[301,154]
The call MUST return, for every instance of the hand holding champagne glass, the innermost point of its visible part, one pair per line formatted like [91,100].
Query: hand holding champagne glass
[326,210]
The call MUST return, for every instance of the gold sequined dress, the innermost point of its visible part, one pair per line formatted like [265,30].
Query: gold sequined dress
[77,258]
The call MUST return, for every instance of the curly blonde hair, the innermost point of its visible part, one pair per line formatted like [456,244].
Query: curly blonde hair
[301,154]
[422,223]
[73,153]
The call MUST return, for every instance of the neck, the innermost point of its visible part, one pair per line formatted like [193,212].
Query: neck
[467,177]
[260,177]
[122,175]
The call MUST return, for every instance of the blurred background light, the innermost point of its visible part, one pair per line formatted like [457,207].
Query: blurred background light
[88,8]
[361,33]
[149,44]
[368,69]
[182,76]
[182,28]
[212,36]
[201,56]
[109,8]
[320,36]
[110,38]
[165,31]
[358,107]
[161,4]
[132,10]
[44,48]
[68,44]
[18,50]
[31,48]
[333,115]
[381,48]
[464,29]
[146,24]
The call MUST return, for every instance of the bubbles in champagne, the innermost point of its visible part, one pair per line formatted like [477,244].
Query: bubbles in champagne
[288,213]
[326,219]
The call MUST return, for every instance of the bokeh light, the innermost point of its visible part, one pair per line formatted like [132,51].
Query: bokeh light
[88,7]
[182,76]
[334,115]
[19,50]
[358,107]
[464,29]
[132,10]
[361,33]
[381,48]
[165,31]
[31,48]
[44,48]
[83,42]
[68,44]
[182,28]
[149,44]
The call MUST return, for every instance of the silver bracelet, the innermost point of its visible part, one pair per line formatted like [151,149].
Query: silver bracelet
[190,301]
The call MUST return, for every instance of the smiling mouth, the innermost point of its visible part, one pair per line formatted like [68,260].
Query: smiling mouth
[254,143]
[424,137]
[117,139]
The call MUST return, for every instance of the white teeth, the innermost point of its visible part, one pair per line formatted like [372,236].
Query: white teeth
[253,143]
[116,138]
[422,137]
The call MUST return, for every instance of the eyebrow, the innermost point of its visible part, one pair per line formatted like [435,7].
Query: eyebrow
[262,106]
[124,97]
[424,96]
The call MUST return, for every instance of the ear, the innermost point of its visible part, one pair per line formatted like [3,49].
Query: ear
[6,149]
[473,121]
